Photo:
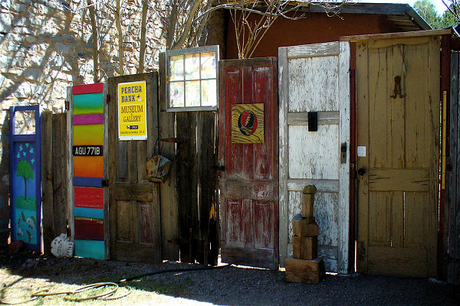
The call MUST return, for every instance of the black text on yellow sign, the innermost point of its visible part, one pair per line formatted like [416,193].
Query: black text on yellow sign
[132,111]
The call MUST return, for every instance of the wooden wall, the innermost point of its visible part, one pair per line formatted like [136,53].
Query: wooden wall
[314,28]
[54,177]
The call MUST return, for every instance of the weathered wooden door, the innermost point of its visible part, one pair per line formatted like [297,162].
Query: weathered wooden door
[398,150]
[248,126]
[314,80]
[134,204]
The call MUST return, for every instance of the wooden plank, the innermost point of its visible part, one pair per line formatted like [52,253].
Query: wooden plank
[451,240]
[399,180]
[283,75]
[400,35]
[87,88]
[321,185]
[88,213]
[208,182]
[305,247]
[89,249]
[47,182]
[69,180]
[88,104]
[106,196]
[89,197]
[88,119]
[89,229]
[323,118]
[397,261]
[362,78]
[323,49]
[305,271]
[134,191]
[343,222]
[187,185]
[60,153]
[168,190]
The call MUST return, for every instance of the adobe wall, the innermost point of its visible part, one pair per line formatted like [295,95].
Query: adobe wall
[46,46]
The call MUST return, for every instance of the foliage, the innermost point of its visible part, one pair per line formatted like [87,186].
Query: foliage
[427,10]
[25,171]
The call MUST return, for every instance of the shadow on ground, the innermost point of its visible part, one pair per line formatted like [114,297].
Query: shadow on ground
[233,285]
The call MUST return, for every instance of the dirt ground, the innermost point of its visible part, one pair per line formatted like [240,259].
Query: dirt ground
[25,273]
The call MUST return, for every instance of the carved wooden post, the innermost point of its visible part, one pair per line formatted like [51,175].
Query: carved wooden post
[305,267]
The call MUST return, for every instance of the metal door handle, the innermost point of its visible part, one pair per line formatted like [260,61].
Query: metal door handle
[362,171]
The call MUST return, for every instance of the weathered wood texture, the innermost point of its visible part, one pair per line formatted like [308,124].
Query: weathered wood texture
[399,127]
[134,202]
[54,177]
[196,183]
[452,224]
[249,183]
[305,271]
[315,78]
[168,189]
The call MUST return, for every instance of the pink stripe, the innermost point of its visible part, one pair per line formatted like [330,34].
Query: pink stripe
[87,88]
[88,119]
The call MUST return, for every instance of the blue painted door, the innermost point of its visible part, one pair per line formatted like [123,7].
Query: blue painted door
[25,176]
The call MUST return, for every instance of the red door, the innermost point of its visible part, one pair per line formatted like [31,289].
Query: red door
[248,151]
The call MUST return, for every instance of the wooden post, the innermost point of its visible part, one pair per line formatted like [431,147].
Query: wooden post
[47,183]
[305,267]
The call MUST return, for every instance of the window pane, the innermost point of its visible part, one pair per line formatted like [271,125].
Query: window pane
[192,93]
[176,94]
[176,67]
[208,65]
[24,122]
[192,66]
[208,93]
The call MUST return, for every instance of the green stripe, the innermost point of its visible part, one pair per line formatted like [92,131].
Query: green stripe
[88,104]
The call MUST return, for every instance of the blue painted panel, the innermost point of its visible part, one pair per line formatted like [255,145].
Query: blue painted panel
[90,249]
[87,181]
[25,175]
[88,213]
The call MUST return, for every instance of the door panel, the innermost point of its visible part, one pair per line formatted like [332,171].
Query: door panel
[398,132]
[249,183]
[315,79]
[134,205]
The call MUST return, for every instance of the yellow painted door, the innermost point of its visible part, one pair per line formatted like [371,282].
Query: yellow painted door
[398,150]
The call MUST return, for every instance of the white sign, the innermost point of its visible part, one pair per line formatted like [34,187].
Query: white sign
[361,151]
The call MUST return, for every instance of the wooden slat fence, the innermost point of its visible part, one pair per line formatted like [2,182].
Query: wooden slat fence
[452,213]
[54,174]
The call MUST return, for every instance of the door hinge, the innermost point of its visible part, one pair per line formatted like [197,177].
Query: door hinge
[105,182]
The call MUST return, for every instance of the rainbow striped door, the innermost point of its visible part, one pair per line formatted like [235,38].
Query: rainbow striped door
[88,151]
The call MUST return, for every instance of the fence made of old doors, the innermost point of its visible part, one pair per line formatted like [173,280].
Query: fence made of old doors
[134,204]
[398,150]
[248,129]
[314,79]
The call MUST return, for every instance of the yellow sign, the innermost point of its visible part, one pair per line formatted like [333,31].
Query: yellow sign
[248,123]
[132,111]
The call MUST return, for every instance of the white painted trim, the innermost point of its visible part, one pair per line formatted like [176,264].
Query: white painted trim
[283,153]
[344,169]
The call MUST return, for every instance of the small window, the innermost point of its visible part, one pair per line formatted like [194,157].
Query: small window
[192,79]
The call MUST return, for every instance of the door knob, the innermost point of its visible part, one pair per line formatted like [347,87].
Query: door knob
[362,171]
